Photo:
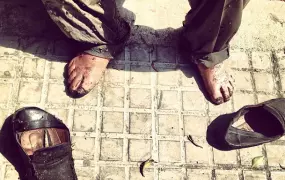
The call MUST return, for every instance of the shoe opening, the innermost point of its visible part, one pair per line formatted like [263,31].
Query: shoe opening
[261,121]
[34,140]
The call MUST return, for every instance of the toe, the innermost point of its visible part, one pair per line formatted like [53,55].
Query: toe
[71,68]
[225,93]
[231,89]
[76,82]
[72,76]
[218,101]
[71,63]
[82,88]
[216,96]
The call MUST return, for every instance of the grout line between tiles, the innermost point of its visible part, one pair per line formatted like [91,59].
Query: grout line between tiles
[154,100]
[126,129]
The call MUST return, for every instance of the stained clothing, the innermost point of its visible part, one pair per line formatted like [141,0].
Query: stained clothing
[208,27]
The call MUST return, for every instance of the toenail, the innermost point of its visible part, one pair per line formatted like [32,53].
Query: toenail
[227,98]
[219,100]
[231,93]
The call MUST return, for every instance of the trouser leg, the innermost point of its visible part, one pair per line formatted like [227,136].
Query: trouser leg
[209,27]
[94,22]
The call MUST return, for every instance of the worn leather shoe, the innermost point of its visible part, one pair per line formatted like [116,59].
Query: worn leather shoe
[253,125]
[45,146]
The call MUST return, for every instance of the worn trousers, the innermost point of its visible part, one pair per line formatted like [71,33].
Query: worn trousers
[207,30]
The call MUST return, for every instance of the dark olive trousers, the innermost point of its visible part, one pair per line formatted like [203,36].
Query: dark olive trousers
[207,30]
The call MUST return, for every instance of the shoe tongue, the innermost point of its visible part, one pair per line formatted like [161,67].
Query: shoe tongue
[51,154]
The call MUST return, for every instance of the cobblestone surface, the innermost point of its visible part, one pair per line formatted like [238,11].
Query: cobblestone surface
[135,112]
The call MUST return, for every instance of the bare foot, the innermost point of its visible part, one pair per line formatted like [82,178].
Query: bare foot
[217,82]
[84,72]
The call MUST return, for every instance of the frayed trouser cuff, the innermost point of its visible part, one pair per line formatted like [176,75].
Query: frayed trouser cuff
[212,59]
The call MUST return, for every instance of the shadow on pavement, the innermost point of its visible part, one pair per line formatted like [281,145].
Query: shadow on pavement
[216,132]
[26,26]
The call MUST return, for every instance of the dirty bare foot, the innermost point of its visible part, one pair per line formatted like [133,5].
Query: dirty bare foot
[84,72]
[217,83]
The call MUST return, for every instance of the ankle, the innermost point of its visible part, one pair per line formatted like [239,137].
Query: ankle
[93,57]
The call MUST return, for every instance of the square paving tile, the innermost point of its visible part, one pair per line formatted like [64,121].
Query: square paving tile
[242,99]
[168,100]
[251,175]
[225,157]
[195,125]
[196,155]
[261,60]
[140,98]
[115,74]
[113,122]
[114,97]
[166,174]
[140,123]
[187,78]
[139,150]
[193,101]
[136,175]
[117,149]
[139,75]
[84,121]
[226,175]
[30,92]
[167,76]
[264,82]
[140,53]
[277,175]
[5,89]
[57,94]
[83,148]
[85,173]
[168,124]
[275,155]
[33,68]
[169,151]
[107,173]
[248,154]
[243,80]
[166,54]
[90,99]
[239,60]
[193,174]
[8,68]
[57,70]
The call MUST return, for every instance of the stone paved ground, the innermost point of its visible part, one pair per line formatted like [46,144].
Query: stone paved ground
[136,113]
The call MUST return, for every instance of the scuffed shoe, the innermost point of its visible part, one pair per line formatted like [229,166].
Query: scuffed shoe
[253,125]
[45,145]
